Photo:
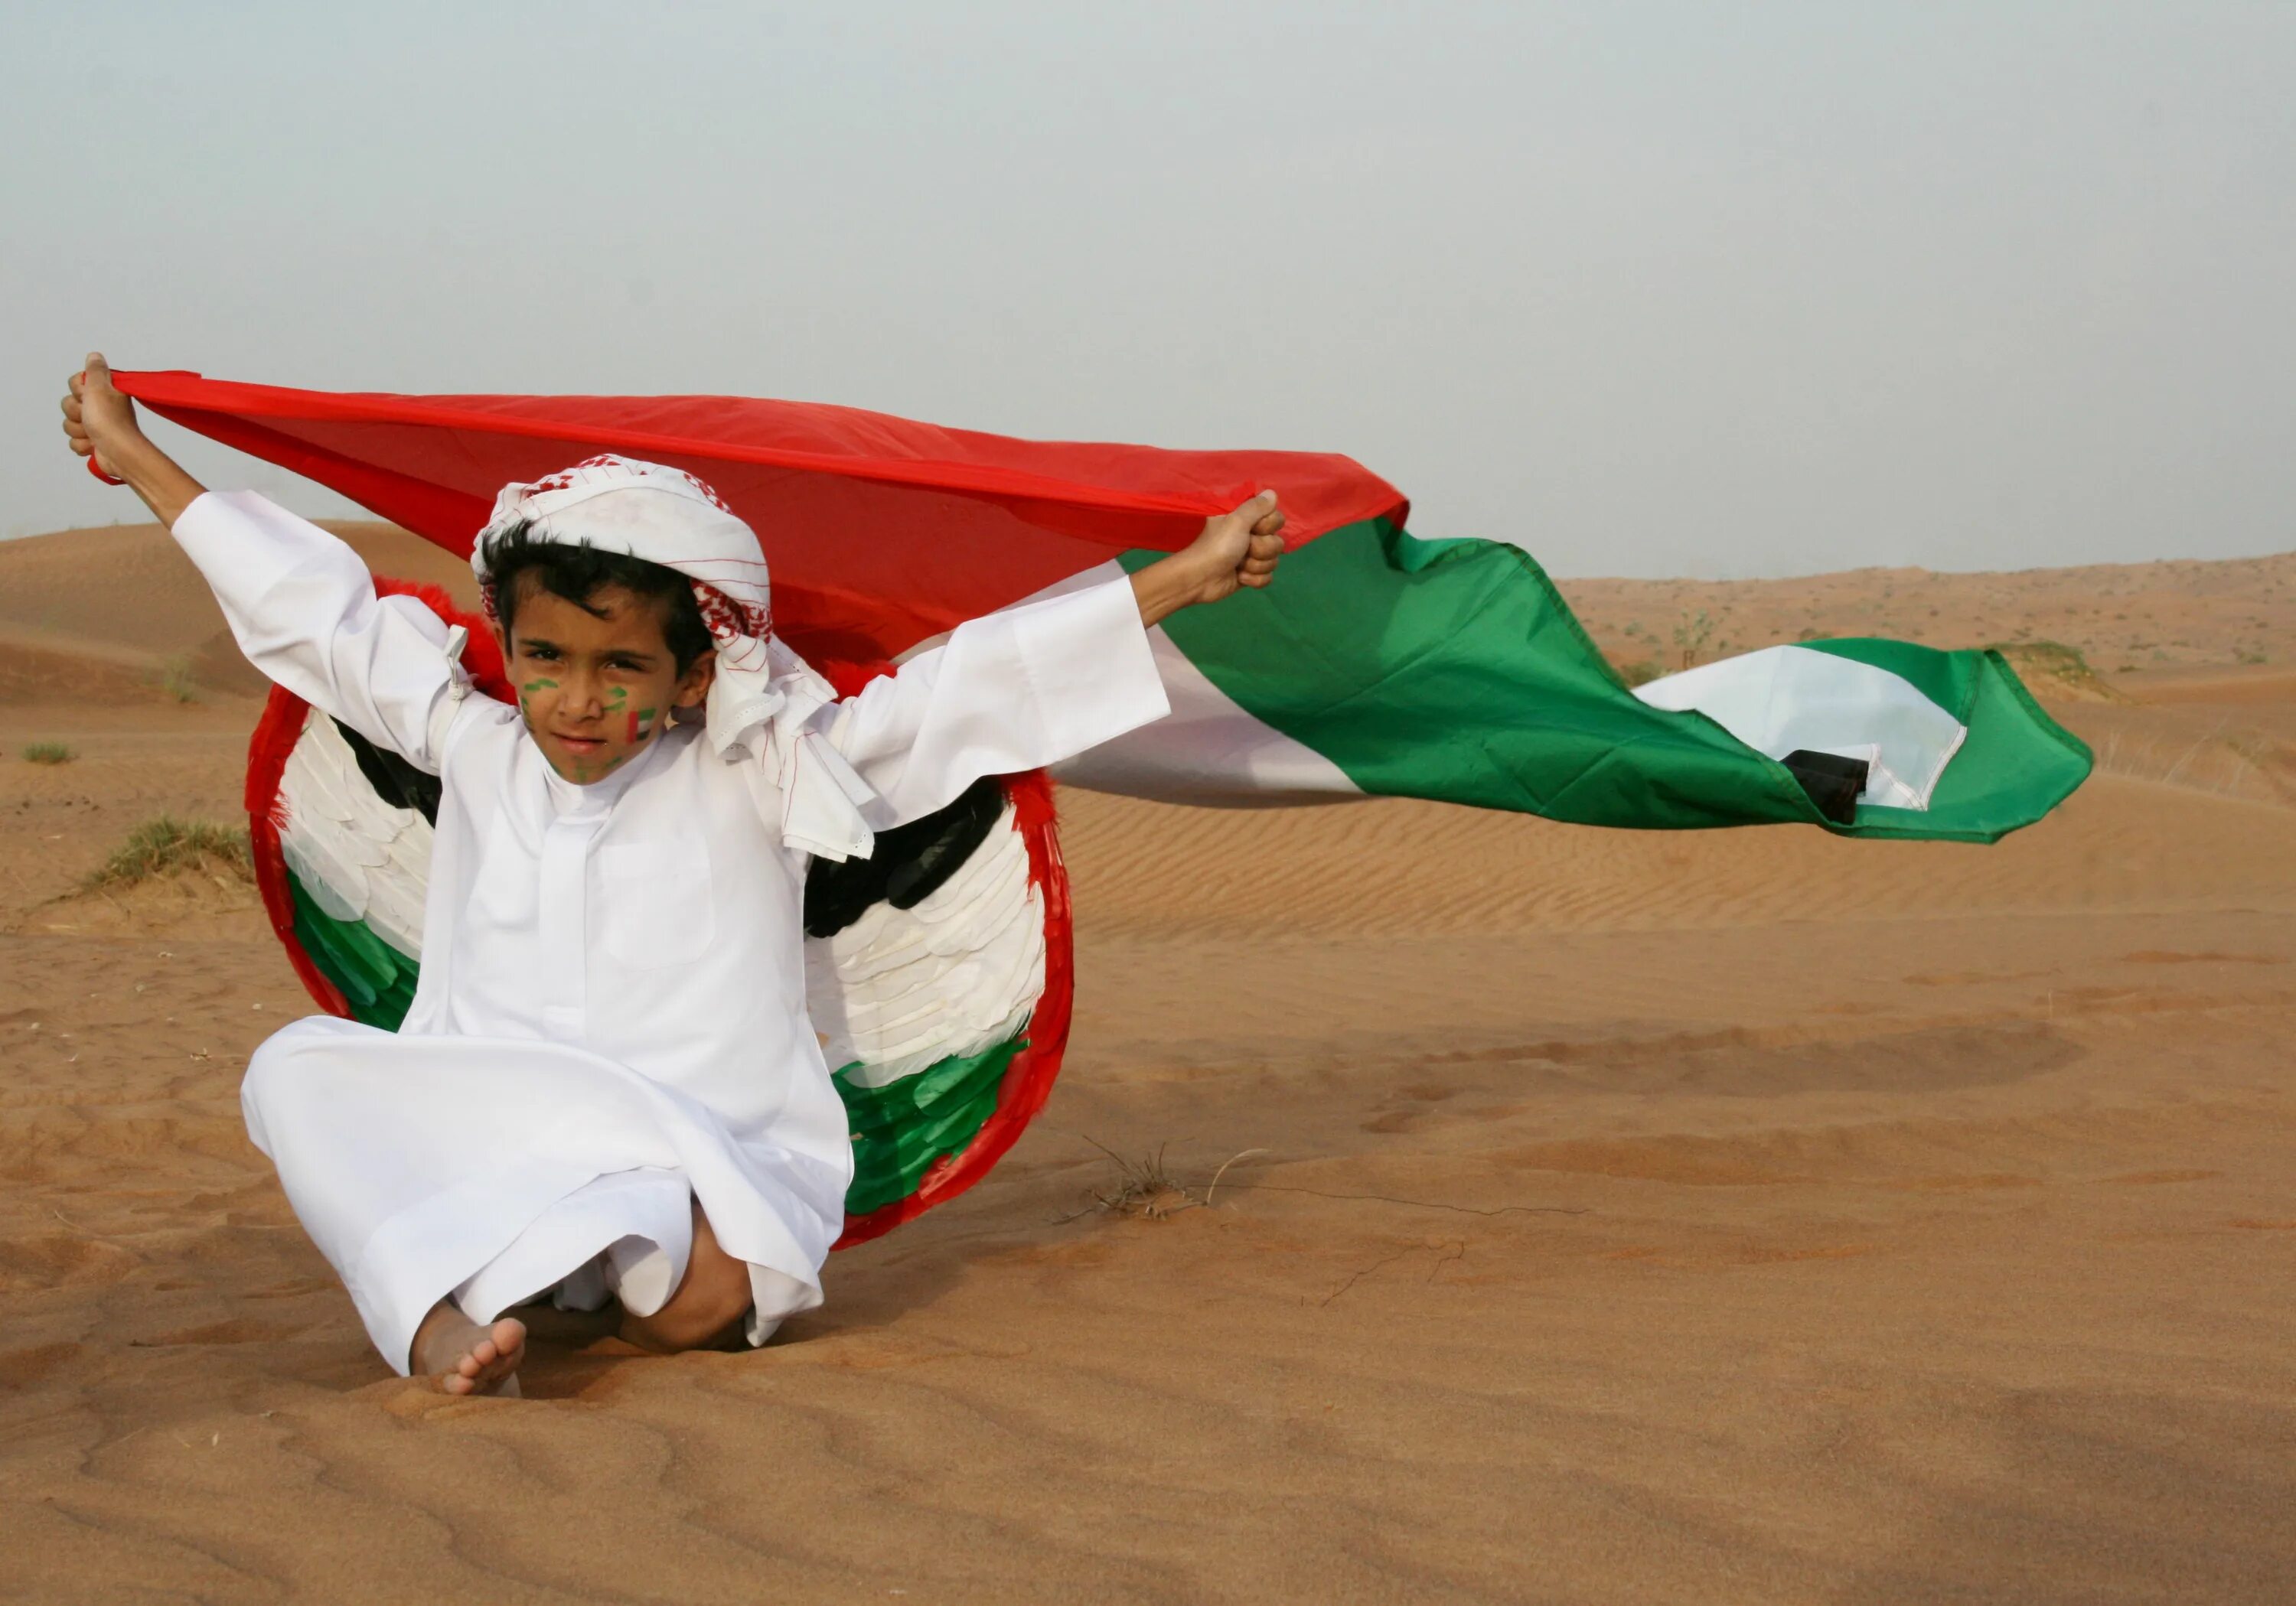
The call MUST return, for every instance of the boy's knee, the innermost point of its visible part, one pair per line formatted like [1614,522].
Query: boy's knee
[259,1088]
[709,1308]
[280,1058]
[721,1298]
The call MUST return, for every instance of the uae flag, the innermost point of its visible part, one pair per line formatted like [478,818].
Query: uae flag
[1378,663]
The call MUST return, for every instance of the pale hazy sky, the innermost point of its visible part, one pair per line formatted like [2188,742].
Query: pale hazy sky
[1651,289]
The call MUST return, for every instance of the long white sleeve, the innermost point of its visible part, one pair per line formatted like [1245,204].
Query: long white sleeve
[303,609]
[1013,691]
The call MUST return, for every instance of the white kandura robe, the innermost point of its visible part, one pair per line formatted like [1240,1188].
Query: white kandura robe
[612,1012]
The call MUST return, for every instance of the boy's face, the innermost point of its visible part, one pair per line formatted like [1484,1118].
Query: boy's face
[595,690]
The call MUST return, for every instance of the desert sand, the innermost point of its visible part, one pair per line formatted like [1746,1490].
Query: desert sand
[1744,1217]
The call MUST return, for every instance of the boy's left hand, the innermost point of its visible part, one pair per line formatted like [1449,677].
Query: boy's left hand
[1236,549]
[1240,548]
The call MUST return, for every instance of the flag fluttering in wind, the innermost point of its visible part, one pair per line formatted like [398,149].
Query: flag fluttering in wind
[1378,664]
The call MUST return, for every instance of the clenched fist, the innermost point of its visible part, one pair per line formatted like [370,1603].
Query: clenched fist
[97,418]
[1236,549]
[100,425]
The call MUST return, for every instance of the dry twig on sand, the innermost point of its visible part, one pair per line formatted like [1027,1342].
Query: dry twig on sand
[1144,1187]
[1147,1189]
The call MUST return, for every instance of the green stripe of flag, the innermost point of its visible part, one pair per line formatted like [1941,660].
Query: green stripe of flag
[2016,765]
[1455,671]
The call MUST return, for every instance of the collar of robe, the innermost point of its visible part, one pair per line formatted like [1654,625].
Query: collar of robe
[590,799]
[761,714]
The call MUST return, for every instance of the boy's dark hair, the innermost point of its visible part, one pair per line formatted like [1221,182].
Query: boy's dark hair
[579,572]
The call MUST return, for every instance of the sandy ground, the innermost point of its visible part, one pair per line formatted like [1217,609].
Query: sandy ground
[1746,1216]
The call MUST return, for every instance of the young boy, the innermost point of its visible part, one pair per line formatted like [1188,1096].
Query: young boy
[607,1085]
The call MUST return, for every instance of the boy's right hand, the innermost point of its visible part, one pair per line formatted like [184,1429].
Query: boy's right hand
[98,422]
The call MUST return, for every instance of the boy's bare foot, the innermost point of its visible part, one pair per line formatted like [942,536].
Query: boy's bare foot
[466,1357]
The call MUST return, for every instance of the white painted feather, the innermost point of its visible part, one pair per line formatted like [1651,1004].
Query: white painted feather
[886,936]
[900,990]
[956,1018]
[358,858]
[938,926]
[894,993]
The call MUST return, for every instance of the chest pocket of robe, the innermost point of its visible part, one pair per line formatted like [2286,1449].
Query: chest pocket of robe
[655,903]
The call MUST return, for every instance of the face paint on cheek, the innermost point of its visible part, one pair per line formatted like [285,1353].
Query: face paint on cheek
[526,692]
[640,723]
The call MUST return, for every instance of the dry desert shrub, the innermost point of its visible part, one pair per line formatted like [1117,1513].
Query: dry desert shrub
[48,752]
[168,845]
[1692,634]
[175,679]
[2054,669]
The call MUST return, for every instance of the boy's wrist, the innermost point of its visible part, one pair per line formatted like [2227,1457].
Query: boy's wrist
[1189,574]
[123,452]
[1168,584]
[132,456]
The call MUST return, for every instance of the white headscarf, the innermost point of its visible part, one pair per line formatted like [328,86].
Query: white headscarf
[764,694]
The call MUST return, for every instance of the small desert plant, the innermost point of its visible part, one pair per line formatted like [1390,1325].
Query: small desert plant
[1147,1189]
[48,752]
[1691,635]
[1144,1187]
[175,679]
[2058,666]
[1640,672]
[167,845]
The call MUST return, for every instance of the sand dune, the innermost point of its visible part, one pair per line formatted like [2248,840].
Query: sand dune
[2140,618]
[125,596]
[1736,1216]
